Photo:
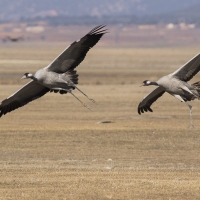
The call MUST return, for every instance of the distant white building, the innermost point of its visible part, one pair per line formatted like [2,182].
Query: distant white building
[147,27]
[185,26]
[35,29]
[182,26]
[170,26]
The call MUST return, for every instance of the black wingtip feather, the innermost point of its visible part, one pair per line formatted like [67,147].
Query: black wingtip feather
[149,109]
[98,30]
[145,109]
[95,29]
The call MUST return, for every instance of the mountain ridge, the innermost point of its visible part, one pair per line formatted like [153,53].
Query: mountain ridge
[22,9]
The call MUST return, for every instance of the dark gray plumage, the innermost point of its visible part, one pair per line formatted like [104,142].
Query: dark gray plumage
[175,84]
[59,76]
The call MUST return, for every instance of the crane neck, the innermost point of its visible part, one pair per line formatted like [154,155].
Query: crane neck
[33,77]
[154,83]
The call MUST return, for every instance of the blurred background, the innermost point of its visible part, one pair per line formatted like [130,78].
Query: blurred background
[131,22]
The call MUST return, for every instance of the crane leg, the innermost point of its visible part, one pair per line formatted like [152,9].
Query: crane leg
[80,101]
[191,122]
[93,101]
[189,106]
[70,83]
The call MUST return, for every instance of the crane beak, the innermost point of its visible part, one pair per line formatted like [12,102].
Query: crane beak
[23,77]
[141,85]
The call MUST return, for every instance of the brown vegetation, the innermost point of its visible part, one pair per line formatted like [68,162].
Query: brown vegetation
[54,148]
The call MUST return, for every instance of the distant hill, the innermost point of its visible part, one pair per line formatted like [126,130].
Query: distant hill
[23,9]
[189,15]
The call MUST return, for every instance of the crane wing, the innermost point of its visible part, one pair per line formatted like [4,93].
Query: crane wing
[190,69]
[145,104]
[72,56]
[26,94]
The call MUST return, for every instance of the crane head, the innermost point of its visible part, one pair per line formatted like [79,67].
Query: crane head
[27,75]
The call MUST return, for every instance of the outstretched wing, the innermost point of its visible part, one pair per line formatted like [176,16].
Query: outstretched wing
[76,52]
[29,92]
[190,69]
[145,104]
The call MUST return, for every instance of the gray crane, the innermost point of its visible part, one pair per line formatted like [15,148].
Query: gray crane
[175,84]
[58,76]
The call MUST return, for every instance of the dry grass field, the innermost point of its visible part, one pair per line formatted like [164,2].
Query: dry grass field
[54,148]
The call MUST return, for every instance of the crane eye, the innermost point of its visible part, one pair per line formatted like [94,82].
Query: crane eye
[148,82]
